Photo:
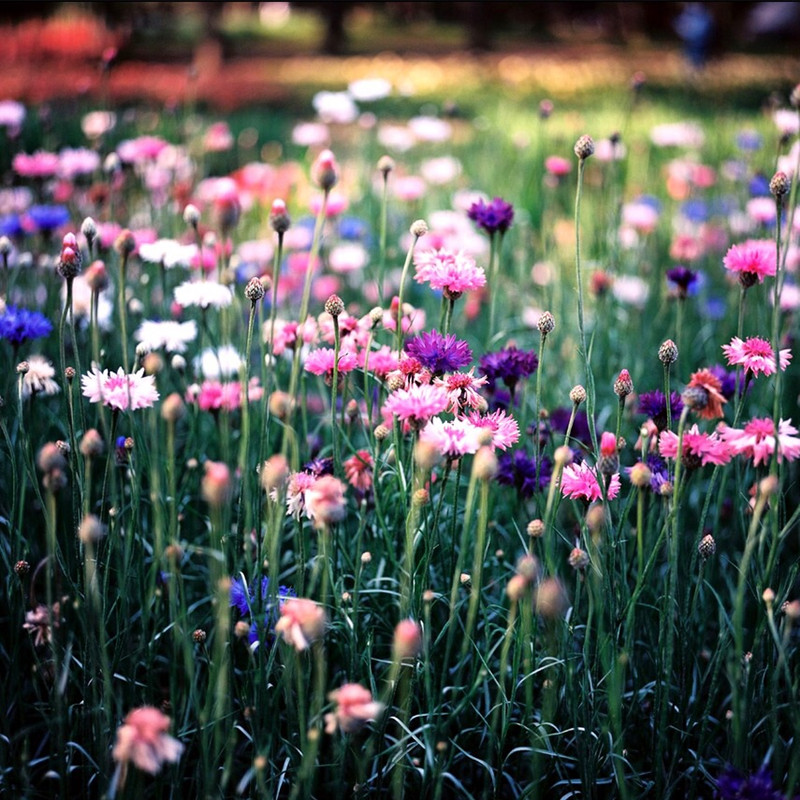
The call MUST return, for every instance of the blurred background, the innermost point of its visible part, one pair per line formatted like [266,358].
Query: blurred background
[229,54]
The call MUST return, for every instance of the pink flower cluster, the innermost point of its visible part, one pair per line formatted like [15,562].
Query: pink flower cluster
[213,395]
[119,390]
[452,273]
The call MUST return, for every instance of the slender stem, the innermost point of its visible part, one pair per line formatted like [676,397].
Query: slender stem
[403,276]
[337,465]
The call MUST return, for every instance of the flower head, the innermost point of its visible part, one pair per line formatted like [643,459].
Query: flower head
[17,325]
[39,377]
[503,428]
[438,353]
[699,448]
[755,355]
[757,440]
[752,260]
[462,389]
[325,501]
[354,708]
[711,385]
[732,785]
[452,273]
[301,622]
[203,294]
[509,365]
[580,481]
[358,470]
[451,439]
[497,215]
[654,405]
[683,279]
[417,404]
[143,739]
[519,470]
[119,390]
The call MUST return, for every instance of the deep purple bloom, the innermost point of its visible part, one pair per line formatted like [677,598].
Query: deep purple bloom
[509,365]
[728,380]
[519,470]
[319,467]
[732,785]
[48,218]
[654,405]
[438,353]
[683,279]
[17,325]
[559,422]
[494,216]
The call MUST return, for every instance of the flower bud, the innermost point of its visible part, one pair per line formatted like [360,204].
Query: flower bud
[334,305]
[419,228]
[584,147]
[546,324]
[325,170]
[779,185]
[385,166]
[407,639]
[191,216]
[254,290]
[668,352]
[577,395]
[279,217]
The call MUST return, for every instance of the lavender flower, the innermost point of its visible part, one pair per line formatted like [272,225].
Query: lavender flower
[494,216]
[438,353]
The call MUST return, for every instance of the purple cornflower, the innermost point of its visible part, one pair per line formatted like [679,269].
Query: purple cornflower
[559,422]
[494,216]
[654,405]
[509,365]
[17,325]
[519,470]
[319,467]
[438,353]
[727,379]
[732,785]
[682,279]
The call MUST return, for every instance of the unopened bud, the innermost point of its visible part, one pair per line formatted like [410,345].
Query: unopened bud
[584,147]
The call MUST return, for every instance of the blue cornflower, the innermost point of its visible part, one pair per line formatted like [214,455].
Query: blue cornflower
[17,325]
[732,785]
[519,470]
[659,473]
[654,405]
[494,216]
[683,279]
[759,186]
[695,210]
[353,228]
[439,353]
[748,140]
[10,225]
[242,598]
[48,218]
[509,365]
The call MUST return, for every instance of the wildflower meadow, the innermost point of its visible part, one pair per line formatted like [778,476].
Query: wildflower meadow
[428,452]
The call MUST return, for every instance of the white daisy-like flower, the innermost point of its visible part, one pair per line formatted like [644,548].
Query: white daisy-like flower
[168,334]
[203,294]
[219,363]
[169,252]
[39,379]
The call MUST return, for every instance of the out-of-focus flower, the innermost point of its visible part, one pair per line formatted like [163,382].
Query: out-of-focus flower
[39,377]
[18,325]
[168,252]
[407,639]
[358,470]
[301,622]
[354,708]
[142,739]
[755,355]
[711,385]
[757,440]
[495,216]
[452,438]
[367,90]
[654,405]
[167,334]
[96,123]
[74,162]
[47,218]
[430,129]
[12,115]
[41,621]
[203,294]
[325,501]
[37,165]
[215,486]
[698,448]
[503,429]
[519,470]
[119,390]
[733,785]
[579,481]
[678,134]
[335,107]
[417,404]
[683,279]
[141,150]
[509,365]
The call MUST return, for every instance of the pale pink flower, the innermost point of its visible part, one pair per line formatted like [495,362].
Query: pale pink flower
[214,395]
[503,428]
[337,204]
[39,379]
[453,273]
[462,390]
[441,170]
[678,134]
[354,708]
[325,501]
[430,129]
[301,622]
[407,642]
[580,481]
[757,440]
[761,210]
[642,217]
[37,165]
[286,333]
[311,134]
[73,162]
[755,355]
[358,470]
[408,187]
[203,294]
[141,149]
[348,257]
[41,621]
[215,486]
[753,257]
[417,404]
[119,390]
[143,740]
[218,138]
[701,448]
[299,483]
[451,439]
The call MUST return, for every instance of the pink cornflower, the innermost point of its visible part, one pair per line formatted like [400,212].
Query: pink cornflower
[40,164]
[379,362]
[450,439]
[753,259]
[322,361]
[325,501]
[118,390]
[302,621]
[417,404]
[698,448]
[462,389]
[580,481]
[557,166]
[358,470]
[299,483]
[453,273]
[215,395]
[143,739]
[354,708]
[755,355]
[141,149]
[503,428]
[757,440]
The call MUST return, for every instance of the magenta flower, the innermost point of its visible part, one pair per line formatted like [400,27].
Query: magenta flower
[321,362]
[579,481]
[40,164]
[119,390]
[503,428]
[451,439]
[754,260]
[452,273]
[755,355]
[417,404]
[698,448]
[462,388]
[757,440]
